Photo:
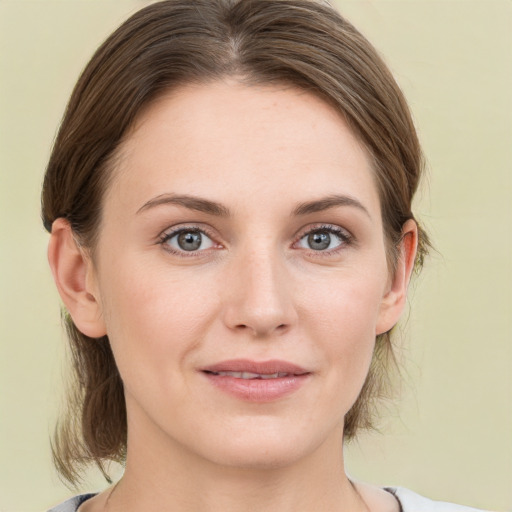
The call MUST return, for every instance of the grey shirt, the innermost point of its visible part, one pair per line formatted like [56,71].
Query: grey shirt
[409,502]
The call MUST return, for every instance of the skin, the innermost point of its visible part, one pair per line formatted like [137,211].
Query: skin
[254,290]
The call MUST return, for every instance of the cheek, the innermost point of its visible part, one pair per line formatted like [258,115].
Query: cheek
[346,307]
[342,325]
[154,319]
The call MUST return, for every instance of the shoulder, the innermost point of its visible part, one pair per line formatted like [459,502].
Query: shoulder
[412,502]
[72,504]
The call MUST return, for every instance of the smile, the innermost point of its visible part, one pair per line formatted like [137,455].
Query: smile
[256,381]
[250,375]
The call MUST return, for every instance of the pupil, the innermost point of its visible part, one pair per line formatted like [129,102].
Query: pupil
[319,240]
[189,241]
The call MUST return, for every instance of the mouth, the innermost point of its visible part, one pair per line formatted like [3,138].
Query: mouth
[250,375]
[255,381]
[246,368]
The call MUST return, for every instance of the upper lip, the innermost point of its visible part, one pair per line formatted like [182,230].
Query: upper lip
[262,367]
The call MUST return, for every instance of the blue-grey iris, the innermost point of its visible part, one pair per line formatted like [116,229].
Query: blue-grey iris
[319,240]
[189,240]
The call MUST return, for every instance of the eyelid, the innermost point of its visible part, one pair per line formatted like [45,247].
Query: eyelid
[173,231]
[346,237]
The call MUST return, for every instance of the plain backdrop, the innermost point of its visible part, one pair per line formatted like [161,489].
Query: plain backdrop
[450,435]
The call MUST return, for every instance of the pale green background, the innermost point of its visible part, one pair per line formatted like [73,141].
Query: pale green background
[451,435]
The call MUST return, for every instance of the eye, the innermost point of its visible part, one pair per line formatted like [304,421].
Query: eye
[326,238]
[187,240]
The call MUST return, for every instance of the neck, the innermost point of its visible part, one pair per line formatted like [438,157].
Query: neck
[167,476]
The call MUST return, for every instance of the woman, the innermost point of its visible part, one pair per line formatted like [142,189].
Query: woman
[229,201]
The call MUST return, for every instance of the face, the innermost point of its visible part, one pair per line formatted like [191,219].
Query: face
[241,273]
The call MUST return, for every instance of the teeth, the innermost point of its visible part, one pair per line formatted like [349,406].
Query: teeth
[250,375]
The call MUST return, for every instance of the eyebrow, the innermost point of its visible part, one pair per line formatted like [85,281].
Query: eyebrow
[325,203]
[219,210]
[191,202]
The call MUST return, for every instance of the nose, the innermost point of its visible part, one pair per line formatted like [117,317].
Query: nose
[260,299]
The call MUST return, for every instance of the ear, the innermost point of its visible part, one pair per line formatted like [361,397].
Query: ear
[393,302]
[74,276]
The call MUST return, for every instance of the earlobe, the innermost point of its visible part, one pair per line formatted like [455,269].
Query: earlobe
[73,273]
[393,302]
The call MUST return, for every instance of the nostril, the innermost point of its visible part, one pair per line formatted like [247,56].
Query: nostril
[278,328]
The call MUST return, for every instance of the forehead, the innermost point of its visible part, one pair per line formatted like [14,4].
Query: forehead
[235,141]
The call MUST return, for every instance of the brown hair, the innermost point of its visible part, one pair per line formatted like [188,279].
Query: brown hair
[301,42]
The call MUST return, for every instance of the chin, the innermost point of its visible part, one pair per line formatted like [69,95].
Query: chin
[262,456]
[264,449]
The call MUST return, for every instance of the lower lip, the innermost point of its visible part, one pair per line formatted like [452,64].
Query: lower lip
[257,390]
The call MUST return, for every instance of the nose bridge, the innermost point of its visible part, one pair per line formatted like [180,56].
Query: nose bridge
[261,301]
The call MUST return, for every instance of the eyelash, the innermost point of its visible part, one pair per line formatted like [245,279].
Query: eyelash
[345,238]
[168,235]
